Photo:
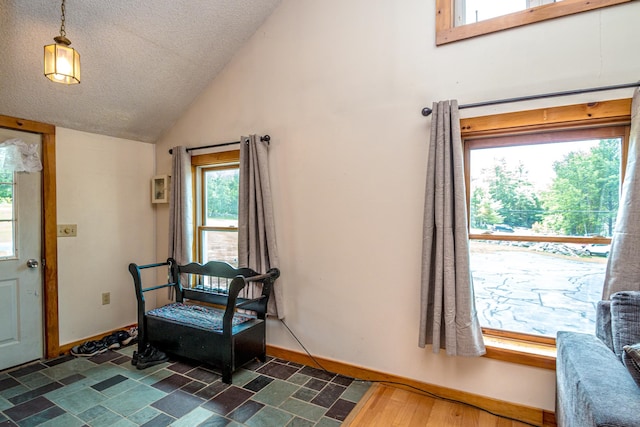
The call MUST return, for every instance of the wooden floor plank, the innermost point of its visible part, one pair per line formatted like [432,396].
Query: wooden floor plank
[423,412]
[470,416]
[443,414]
[485,419]
[388,406]
[502,422]
[393,407]
[411,406]
[378,404]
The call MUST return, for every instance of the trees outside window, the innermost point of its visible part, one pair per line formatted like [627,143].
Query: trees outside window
[542,210]
[585,190]
[575,194]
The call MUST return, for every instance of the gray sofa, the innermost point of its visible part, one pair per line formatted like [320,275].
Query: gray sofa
[594,387]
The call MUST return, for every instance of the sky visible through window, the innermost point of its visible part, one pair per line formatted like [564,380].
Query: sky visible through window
[480,10]
[537,159]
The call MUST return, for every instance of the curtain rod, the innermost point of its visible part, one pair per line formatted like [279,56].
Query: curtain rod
[427,111]
[265,138]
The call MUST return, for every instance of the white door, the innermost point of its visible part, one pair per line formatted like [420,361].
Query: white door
[21,306]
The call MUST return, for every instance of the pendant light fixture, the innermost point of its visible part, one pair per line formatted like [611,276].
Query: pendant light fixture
[61,62]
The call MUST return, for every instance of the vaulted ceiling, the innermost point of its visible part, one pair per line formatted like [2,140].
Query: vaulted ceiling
[143,61]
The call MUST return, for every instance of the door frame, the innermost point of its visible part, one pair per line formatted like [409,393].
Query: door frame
[49,228]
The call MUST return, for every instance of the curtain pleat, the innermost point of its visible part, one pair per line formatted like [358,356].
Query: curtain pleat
[180,208]
[256,228]
[448,316]
[623,268]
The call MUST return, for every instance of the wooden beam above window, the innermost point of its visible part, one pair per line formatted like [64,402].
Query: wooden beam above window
[616,112]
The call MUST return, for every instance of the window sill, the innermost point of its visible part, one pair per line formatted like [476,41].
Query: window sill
[520,352]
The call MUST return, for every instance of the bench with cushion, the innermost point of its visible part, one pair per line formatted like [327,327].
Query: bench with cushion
[204,322]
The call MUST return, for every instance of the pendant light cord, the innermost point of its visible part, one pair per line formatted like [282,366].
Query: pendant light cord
[63,33]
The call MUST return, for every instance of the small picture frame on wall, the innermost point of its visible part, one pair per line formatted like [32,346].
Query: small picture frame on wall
[160,189]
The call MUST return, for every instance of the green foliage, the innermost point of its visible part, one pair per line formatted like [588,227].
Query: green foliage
[222,187]
[581,200]
[584,194]
[484,210]
[6,187]
[515,194]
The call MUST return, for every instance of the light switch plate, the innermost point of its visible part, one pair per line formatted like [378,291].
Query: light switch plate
[67,230]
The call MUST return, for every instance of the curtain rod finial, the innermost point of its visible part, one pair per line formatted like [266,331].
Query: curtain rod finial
[426,111]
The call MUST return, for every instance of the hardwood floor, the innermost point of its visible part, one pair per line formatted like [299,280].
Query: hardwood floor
[387,406]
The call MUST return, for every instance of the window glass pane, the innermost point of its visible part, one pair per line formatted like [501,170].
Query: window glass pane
[555,189]
[551,191]
[6,177]
[220,246]
[536,288]
[479,10]
[7,216]
[221,197]
[6,201]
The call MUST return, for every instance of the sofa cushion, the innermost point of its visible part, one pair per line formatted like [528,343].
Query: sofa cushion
[625,320]
[631,359]
[603,323]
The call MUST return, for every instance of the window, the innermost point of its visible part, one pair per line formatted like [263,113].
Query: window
[217,178]
[7,216]
[542,192]
[463,19]
[472,11]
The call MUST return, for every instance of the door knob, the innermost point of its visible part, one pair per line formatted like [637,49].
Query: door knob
[32,263]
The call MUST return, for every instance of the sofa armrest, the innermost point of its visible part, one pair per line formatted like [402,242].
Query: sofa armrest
[593,387]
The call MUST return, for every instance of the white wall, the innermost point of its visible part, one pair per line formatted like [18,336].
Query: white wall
[339,85]
[103,186]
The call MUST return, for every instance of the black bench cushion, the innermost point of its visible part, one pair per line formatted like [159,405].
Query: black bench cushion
[207,318]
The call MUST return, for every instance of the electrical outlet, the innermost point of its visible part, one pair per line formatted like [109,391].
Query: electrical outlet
[106,298]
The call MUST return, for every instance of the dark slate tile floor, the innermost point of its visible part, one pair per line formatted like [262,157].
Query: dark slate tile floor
[106,390]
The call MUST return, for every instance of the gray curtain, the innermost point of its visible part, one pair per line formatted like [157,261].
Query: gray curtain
[256,230]
[448,315]
[181,208]
[623,266]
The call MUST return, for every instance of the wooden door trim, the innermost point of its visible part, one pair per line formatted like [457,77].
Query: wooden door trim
[49,227]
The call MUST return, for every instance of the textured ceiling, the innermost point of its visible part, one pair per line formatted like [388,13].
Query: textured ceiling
[143,61]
